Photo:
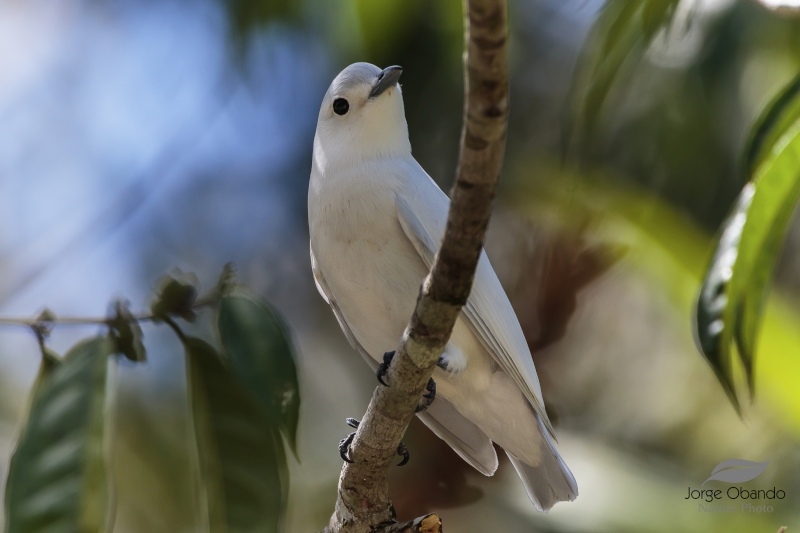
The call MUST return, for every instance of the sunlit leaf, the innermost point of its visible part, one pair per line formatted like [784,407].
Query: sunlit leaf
[734,293]
[261,355]
[713,338]
[777,117]
[623,29]
[57,477]
[240,462]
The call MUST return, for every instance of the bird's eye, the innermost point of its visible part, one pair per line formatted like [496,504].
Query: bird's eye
[340,106]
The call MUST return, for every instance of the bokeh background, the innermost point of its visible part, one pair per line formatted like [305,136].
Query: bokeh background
[140,136]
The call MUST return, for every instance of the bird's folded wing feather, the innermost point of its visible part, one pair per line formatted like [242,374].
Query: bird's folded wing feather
[462,435]
[327,295]
[466,439]
[488,311]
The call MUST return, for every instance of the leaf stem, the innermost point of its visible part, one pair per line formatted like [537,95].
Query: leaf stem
[88,321]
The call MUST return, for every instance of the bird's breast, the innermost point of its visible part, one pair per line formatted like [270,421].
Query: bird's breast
[369,264]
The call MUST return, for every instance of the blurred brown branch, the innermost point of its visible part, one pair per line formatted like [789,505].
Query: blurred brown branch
[425,524]
[363,503]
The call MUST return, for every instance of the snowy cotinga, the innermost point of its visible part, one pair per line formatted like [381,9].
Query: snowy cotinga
[376,219]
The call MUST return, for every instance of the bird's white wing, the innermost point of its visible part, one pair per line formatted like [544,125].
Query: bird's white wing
[488,311]
[327,295]
[466,439]
[463,436]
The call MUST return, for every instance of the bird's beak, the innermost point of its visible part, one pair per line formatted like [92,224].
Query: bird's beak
[386,79]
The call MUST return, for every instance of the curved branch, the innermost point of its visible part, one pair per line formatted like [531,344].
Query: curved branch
[363,503]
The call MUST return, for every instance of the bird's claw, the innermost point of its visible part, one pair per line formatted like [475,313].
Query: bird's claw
[402,450]
[344,445]
[427,399]
[384,367]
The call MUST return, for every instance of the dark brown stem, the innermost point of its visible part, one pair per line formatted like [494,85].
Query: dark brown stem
[363,503]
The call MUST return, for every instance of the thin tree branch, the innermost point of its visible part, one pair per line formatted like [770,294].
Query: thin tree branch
[363,503]
[430,523]
[90,321]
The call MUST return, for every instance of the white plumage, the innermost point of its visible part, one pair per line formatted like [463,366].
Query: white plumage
[376,219]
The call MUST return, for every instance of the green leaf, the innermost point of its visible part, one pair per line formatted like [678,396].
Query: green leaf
[776,118]
[623,29]
[241,462]
[57,479]
[713,338]
[734,292]
[261,355]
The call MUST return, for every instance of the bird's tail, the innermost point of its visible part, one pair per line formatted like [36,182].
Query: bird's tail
[551,481]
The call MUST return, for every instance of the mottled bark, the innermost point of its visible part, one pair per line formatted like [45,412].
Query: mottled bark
[363,503]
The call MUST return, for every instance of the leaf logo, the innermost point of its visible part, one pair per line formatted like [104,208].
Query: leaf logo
[736,471]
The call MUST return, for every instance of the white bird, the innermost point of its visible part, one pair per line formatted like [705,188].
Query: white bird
[376,219]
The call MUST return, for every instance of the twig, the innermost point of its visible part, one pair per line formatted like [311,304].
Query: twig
[430,523]
[363,503]
[89,321]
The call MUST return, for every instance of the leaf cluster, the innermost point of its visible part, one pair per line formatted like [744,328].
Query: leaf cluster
[244,398]
[734,292]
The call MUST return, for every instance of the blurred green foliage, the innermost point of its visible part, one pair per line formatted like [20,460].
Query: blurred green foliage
[259,351]
[733,295]
[242,402]
[623,29]
[58,477]
[241,483]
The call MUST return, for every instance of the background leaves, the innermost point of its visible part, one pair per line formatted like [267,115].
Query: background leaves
[259,350]
[734,292]
[239,461]
[57,478]
[624,28]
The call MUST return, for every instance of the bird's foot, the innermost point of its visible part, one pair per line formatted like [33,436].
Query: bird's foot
[402,450]
[344,445]
[384,367]
[427,399]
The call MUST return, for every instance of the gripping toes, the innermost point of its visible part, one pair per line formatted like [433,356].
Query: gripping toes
[383,367]
[402,450]
[427,399]
[344,444]
[344,447]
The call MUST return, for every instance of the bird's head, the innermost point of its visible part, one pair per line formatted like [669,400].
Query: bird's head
[362,116]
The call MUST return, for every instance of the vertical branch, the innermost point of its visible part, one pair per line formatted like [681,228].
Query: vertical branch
[363,503]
